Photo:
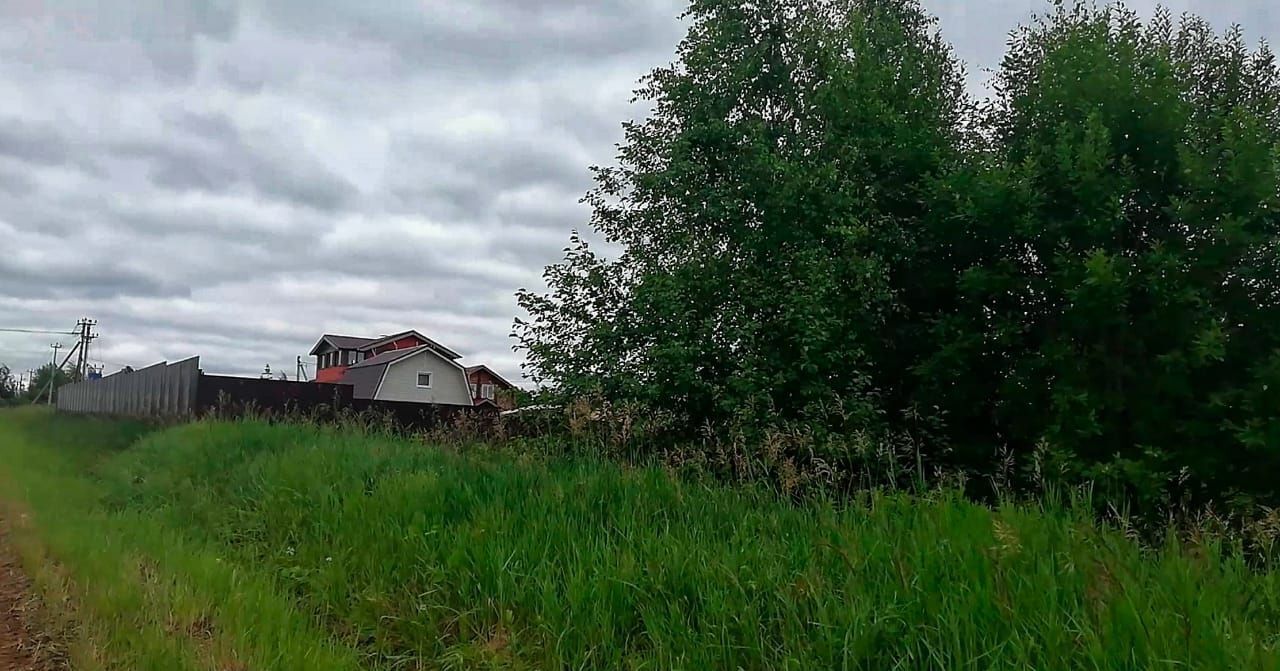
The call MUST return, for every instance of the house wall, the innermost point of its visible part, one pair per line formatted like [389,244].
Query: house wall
[448,381]
[334,374]
[331,373]
[403,343]
[482,376]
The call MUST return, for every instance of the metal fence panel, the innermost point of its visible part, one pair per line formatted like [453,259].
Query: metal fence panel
[187,378]
[159,390]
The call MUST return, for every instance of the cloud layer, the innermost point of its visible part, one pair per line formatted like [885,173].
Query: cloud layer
[232,178]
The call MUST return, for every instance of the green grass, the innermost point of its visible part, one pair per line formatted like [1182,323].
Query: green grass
[390,554]
[131,591]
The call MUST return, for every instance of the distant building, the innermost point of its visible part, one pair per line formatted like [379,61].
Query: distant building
[408,367]
[489,387]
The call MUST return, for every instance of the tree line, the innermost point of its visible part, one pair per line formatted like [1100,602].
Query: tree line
[819,227]
[12,392]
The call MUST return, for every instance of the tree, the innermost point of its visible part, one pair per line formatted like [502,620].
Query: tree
[817,228]
[38,390]
[8,385]
[764,210]
[1121,288]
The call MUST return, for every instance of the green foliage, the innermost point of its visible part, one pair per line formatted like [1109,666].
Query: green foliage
[817,229]
[769,187]
[422,558]
[38,389]
[1128,283]
[8,385]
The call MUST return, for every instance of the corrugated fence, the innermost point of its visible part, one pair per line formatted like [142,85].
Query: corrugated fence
[162,390]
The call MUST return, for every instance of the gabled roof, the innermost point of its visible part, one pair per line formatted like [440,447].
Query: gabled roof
[374,344]
[340,342]
[472,369]
[364,381]
[389,357]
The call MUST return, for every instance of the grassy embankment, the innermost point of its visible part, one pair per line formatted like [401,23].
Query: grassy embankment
[216,544]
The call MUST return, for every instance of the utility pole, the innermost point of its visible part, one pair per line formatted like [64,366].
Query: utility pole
[56,367]
[53,369]
[85,329]
[300,374]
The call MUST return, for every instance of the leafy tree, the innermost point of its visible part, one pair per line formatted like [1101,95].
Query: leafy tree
[764,209]
[1120,299]
[38,390]
[8,384]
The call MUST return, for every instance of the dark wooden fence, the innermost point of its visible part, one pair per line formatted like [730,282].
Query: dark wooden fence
[237,395]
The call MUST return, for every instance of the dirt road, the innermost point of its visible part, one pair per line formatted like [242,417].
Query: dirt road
[21,647]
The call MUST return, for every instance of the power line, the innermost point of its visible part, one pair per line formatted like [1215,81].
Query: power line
[39,331]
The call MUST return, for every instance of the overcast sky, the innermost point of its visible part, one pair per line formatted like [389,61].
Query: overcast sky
[231,179]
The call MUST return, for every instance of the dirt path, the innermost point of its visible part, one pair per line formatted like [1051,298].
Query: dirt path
[22,648]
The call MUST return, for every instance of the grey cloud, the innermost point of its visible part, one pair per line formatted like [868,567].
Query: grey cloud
[487,36]
[214,127]
[177,174]
[14,182]
[23,208]
[399,257]
[81,280]
[300,182]
[32,143]
[468,178]
[242,79]
[141,20]
[525,162]
[222,158]
[124,41]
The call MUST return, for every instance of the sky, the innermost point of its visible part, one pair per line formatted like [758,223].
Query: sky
[234,178]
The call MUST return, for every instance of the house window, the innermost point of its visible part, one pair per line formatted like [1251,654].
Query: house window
[424,380]
[475,391]
[486,391]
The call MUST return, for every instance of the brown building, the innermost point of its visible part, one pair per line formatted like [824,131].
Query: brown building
[489,387]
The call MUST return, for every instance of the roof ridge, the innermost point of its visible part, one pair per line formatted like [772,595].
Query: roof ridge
[389,356]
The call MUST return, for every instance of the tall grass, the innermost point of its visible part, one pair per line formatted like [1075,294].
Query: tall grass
[131,592]
[423,558]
